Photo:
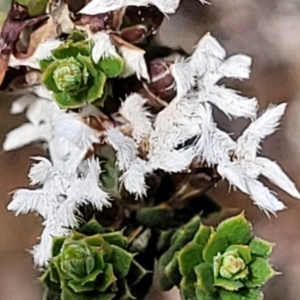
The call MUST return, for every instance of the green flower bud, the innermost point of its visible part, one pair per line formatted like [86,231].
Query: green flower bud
[77,260]
[68,76]
[92,263]
[225,263]
[231,265]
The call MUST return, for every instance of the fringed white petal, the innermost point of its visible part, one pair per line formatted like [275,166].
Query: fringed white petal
[133,178]
[70,127]
[229,102]
[249,142]
[65,155]
[43,251]
[236,66]
[263,197]
[134,62]
[102,6]
[19,105]
[25,201]
[233,173]
[184,77]
[171,160]
[124,146]
[275,174]
[133,109]
[41,111]
[207,56]
[40,171]
[43,51]
[213,145]
[102,47]
[25,135]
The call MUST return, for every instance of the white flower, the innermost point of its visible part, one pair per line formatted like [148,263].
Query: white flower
[134,111]
[39,114]
[124,146]
[102,6]
[246,167]
[134,62]
[47,122]
[133,178]
[58,200]
[102,47]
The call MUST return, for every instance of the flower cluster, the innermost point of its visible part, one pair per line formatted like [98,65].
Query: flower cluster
[225,263]
[93,265]
[164,124]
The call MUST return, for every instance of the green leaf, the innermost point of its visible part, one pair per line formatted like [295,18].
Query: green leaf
[109,176]
[261,247]
[205,278]
[115,238]
[77,35]
[241,275]
[252,294]
[65,50]
[84,47]
[77,287]
[65,100]
[227,284]
[164,239]
[92,227]
[243,252]
[88,63]
[47,77]
[106,279]
[180,238]
[217,243]
[187,288]
[46,278]
[97,90]
[97,240]
[111,66]
[237,229]
[202,235]
[170,276]
[121,261]
[189,257]
[45,63]
[57,243]
[158,216]
[260,271]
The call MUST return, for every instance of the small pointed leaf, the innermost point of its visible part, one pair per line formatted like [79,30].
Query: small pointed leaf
[121,261]
[227,284]
[189,257]
[111,66]
[205,278]
[237,229]
[261,247]
[217,243]
[260,271]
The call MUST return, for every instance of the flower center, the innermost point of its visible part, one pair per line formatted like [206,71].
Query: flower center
[67,77]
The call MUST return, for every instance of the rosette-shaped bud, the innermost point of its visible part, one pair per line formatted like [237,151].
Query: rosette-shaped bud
[139,22]
[162,84]
[226,263]
[94,265]
[73,76]
[34,7]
